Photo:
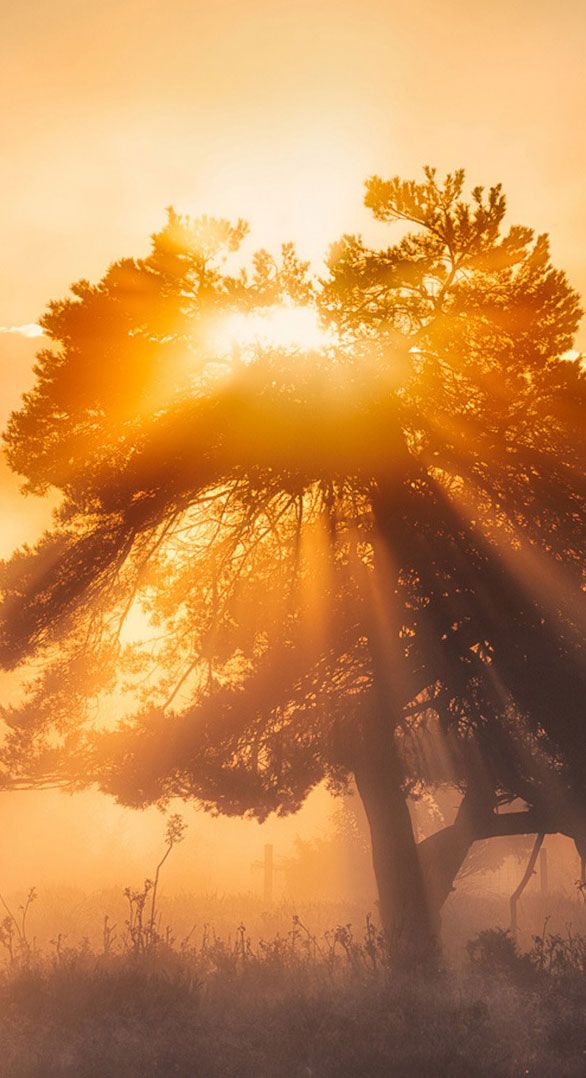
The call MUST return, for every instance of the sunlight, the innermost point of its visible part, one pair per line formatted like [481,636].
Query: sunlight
[282,326]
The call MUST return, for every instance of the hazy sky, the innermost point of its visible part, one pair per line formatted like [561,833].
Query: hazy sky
[271,110]
[274,110]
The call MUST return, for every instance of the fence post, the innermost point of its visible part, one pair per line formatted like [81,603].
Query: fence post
[543,875]
[269,869]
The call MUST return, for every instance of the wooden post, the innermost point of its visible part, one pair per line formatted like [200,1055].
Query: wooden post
[269,873]
[543,876]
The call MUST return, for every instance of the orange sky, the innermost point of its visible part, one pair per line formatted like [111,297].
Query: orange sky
[273,110]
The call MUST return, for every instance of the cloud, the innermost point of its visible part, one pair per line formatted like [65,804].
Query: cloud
[29,329]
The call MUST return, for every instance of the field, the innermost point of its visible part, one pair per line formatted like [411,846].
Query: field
[283,994]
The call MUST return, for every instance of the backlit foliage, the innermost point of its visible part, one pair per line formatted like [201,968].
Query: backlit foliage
[233,534]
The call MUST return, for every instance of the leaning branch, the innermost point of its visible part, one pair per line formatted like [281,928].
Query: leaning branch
[516,895]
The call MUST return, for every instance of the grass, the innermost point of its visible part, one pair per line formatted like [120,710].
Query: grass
[292,1005]
[97,986]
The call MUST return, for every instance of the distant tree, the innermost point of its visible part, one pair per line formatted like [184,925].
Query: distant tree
[359,562]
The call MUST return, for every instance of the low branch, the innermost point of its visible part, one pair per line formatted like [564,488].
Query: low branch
[500,825]
[442,854]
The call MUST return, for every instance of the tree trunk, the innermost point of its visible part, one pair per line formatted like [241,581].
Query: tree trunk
[441,857]
[410,928]
[442,854]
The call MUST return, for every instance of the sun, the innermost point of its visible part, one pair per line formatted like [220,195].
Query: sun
[280,326]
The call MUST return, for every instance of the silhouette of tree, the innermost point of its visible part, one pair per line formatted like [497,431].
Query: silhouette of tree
[359,562]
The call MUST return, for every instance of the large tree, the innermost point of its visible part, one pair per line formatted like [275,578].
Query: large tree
[361,561]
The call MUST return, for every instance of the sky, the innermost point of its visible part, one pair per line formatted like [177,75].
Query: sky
[271,110]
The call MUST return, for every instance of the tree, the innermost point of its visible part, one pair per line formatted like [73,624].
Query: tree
[361,561]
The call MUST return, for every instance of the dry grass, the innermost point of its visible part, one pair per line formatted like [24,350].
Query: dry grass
[294,1004]
[101,986]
